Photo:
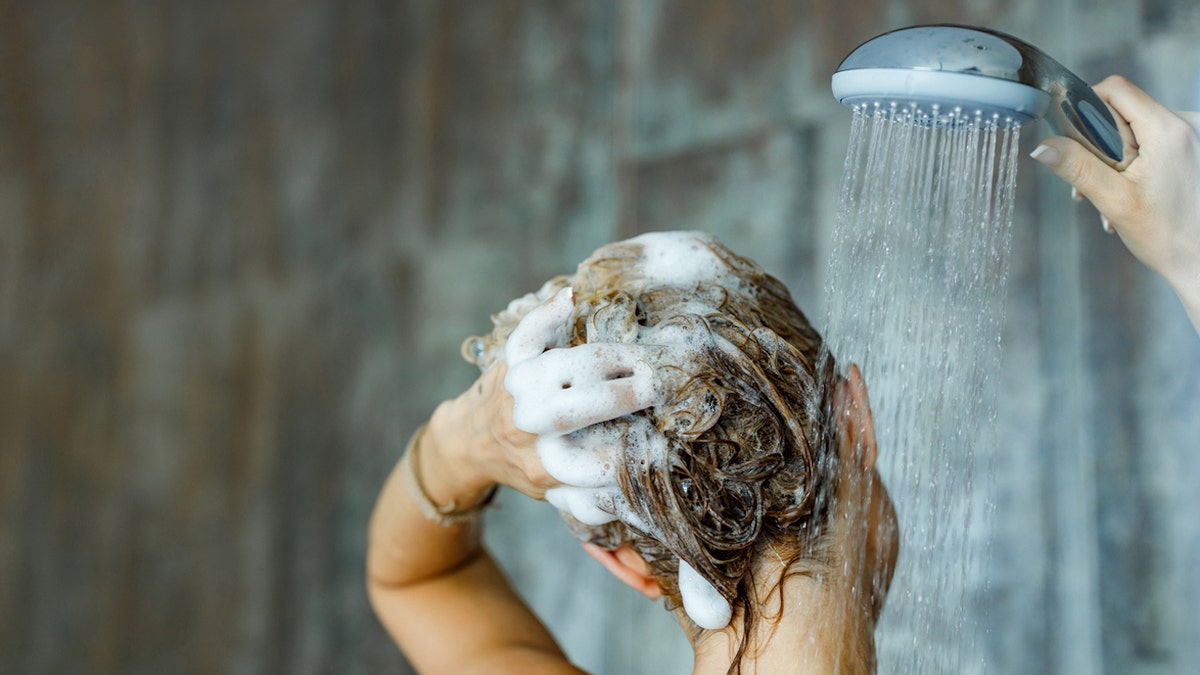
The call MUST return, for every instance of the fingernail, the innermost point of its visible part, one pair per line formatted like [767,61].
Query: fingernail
[1076,195]
[1106,225]
[1046,155]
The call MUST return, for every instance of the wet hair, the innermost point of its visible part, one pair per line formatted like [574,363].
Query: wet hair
[751,465]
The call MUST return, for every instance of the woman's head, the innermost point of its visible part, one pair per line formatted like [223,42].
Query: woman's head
[749,460]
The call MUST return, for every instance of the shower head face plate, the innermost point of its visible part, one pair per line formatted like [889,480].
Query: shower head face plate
[941,96]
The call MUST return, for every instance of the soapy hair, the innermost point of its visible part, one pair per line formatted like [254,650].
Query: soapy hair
[750,470]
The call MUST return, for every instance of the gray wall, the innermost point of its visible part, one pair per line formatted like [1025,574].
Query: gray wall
[240,244]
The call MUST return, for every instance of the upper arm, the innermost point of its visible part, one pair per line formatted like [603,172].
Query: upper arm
[468,620]
[520,661]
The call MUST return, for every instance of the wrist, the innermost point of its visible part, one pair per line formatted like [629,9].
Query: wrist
[447,471]
[445,515]
[1185,281]
[1188,291]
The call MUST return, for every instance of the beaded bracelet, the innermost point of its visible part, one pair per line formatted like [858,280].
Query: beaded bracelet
[442,515]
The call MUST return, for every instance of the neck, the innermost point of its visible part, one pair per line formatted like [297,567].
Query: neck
[816,625]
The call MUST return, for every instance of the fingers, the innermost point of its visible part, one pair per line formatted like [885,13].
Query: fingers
[543,327]
[581,459]
[577,401]
[590,506]
[561,390]
[596,506]
[587,462]
[490,404]
[1087,173]
[589,457]
[1132,103]
[1150,120]
[567,389]
[1122,197]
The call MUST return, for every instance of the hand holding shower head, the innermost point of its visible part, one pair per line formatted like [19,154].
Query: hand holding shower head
[948,70]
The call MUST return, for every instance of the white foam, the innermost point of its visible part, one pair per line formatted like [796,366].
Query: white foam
[563,390]
[584,458]
[542,327]
[683,343]
[703,603]
[590,506]
[589,457]
[679,258]
[521,306]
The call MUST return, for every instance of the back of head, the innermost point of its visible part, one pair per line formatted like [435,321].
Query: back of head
[750,462]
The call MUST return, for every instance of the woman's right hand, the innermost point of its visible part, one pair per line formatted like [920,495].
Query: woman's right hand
[1154,204]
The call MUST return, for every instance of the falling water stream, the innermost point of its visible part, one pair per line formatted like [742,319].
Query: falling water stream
[917,284]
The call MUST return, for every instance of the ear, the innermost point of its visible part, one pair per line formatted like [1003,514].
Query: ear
[628,566]
[858,427]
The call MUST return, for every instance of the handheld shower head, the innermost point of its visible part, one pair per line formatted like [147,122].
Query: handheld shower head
[948,70]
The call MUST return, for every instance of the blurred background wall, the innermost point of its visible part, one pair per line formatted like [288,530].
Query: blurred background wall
[240,244]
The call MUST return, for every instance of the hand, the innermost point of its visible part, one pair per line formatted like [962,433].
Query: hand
[566,394]
[471,444]
[572,396]
[557,389]
[1154,204]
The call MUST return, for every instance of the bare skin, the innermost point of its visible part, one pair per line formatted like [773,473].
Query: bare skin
[472,621]
[1154,204]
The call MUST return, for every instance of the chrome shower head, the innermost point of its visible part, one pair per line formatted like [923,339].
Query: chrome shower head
[949,70]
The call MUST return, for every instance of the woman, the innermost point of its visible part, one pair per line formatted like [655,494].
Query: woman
[679,410]
[806,598]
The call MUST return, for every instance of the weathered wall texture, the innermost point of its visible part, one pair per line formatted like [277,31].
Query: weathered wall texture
[240,244]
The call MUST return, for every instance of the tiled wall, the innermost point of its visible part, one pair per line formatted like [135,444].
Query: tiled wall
[241,243]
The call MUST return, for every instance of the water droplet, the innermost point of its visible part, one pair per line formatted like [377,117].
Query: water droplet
[477,348]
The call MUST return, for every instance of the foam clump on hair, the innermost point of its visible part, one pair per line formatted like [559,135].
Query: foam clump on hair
[703,603]
[678,259]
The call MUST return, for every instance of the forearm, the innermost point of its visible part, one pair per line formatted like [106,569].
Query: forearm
[1179,260]
[412,559]
[469,620]
[405,546]
[468,447]
[1189,294]
[436,591]
[440,596]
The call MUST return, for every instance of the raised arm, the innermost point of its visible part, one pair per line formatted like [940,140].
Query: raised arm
[442,598]
[1154,204]
[436,590]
